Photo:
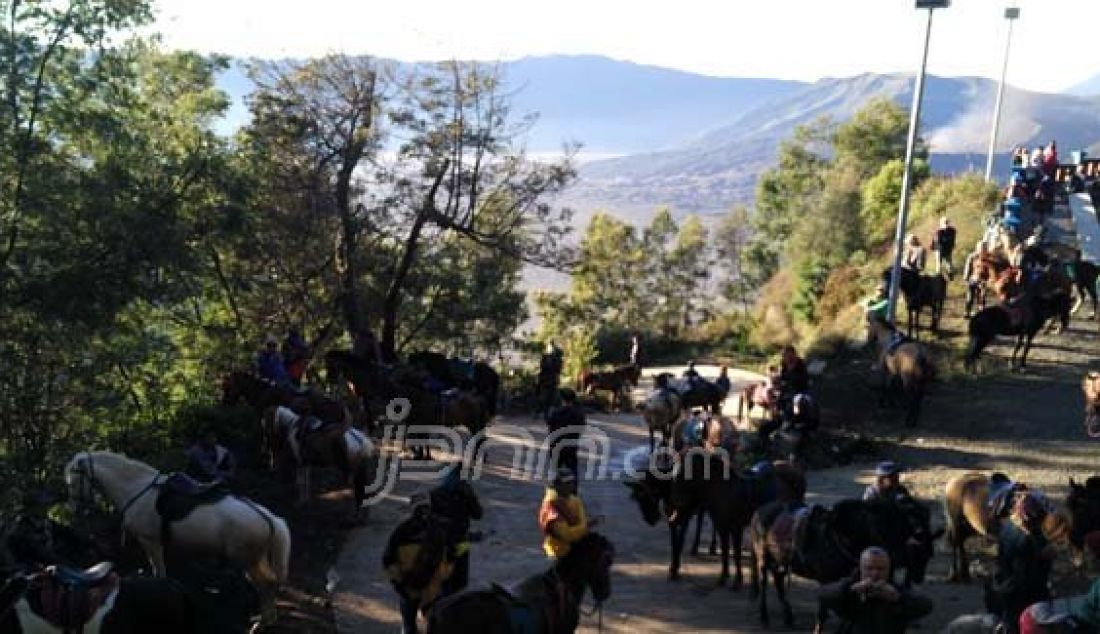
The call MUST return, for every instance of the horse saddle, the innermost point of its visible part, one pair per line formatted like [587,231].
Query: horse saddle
[522,616]
[180,494]
[896,340]
[69,597]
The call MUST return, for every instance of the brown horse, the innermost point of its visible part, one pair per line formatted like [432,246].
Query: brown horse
[1090,385]
[906,365]
[333,445]
[764,394]
[969,511]
[984,269]
[614,381]
[261,394]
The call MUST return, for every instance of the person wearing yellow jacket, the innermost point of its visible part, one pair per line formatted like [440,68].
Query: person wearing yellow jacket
[416,560]
[562,517]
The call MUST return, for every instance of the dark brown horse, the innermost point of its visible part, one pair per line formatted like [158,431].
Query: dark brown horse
[1090,386]
[546,603]
[262,394]
[920,291]
[824,544]
[615,381]
[700,480]
[1024,321]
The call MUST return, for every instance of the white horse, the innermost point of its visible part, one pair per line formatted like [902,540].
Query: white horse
[661,411]
[235,529]
[341,446]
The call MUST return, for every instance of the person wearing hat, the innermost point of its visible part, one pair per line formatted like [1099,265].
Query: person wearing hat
[269,363]
[914,256]
[943,243]
[415,560]
[562,518]
[456,501]
[887,485]
[208,461]
[1023,561]
[564,428]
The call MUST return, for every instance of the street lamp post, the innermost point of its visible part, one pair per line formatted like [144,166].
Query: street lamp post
[1011,14]
[910,146]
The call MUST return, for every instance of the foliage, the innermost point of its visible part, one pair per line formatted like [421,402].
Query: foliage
[882,196]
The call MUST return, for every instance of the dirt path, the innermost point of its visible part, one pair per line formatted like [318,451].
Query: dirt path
[1028,425]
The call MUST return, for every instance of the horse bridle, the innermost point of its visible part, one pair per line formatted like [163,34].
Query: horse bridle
[88,485]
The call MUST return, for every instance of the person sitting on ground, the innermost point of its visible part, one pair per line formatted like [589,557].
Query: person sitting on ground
[415,560]
[562,518]
[269,363]
[887,485]
[456,501]
[914,256]
[208,461]
[869,603]
[564,428]
[1023,561]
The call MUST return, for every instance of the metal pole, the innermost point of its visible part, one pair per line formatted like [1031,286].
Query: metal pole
[910,146]
[997,108]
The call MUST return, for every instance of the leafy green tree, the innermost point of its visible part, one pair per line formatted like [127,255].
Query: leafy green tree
[882,195]
[874,136]
[731,242]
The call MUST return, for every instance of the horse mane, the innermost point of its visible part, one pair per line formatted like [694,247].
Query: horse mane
[110,457]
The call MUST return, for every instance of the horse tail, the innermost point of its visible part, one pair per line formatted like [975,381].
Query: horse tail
[278,555]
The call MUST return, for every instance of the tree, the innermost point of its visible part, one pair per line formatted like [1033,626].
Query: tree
[882,195]
[874,136]
[731,241]
[608,280]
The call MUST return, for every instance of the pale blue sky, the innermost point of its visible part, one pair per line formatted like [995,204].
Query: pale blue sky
[1054,44]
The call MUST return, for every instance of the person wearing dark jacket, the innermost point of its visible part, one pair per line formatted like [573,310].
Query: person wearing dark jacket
[1023,561]
[457,502]
[564,427]
[415,560]
[944,245]
[794,378]
[869,603]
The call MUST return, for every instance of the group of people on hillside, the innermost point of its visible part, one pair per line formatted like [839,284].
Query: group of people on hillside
[914,256]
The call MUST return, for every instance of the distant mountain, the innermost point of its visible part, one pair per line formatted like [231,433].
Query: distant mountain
[611,107]
[1087,88]
[712,173]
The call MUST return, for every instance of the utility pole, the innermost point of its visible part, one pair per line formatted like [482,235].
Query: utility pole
[1011,14]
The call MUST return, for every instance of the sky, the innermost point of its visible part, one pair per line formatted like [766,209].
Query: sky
[1053,43]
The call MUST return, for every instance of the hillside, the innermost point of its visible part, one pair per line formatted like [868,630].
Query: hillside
[720,169]
[610,106]
[1088,88]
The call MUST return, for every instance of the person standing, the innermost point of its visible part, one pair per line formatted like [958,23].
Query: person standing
[914,256]
[456,501]
[564,428]
[562,518]
[944,244]
[1023,561]
[415,560]
[636,357]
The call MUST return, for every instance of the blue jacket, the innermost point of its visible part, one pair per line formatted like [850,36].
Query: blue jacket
[270,366]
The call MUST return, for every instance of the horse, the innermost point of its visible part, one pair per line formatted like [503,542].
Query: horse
[1090,386]
[1084,275]
[764,394]
[262,394]
[614,381]
[94,601]
[1034,310]
[1083,506]
[906,365]
[920,291]
[338,445]
[699,481]
[969,511]
[661,410]
[233,528]
[474,376]
[700,393]
[546,386]
[985,269]
[824,545]
[546,603]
